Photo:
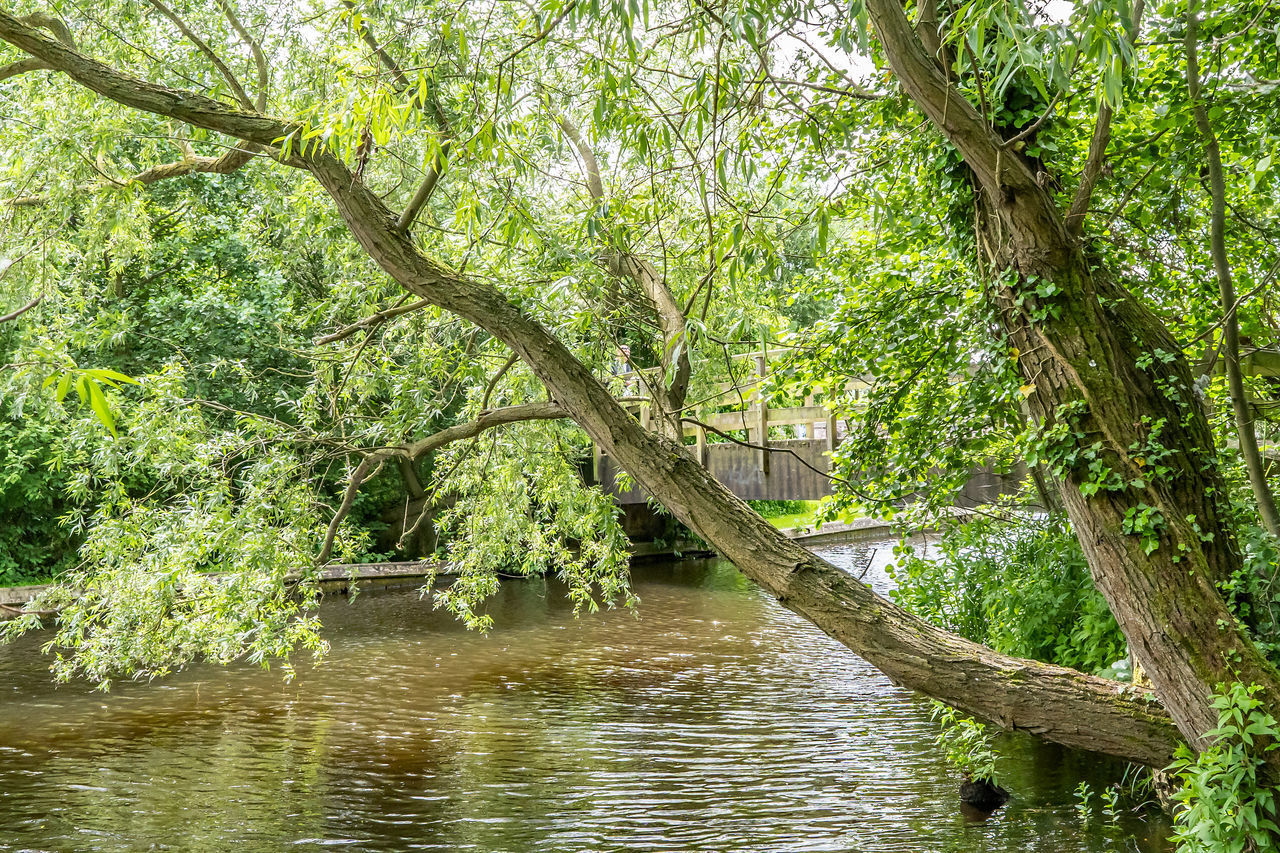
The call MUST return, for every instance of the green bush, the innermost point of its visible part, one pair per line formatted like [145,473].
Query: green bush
[1021,587]
[34,546]
[1225,806]
[773,509]
[968,745]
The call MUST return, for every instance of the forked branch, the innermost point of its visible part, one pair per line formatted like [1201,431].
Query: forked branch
[374,460]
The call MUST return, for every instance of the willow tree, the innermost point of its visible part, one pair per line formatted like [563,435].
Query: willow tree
[1107,385]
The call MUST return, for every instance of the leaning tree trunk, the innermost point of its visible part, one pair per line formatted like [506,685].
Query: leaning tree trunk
[1139,473]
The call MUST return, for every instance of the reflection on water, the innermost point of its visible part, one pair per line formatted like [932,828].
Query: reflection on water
[710,719]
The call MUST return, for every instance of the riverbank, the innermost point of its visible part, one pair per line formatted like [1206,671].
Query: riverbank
[339,578]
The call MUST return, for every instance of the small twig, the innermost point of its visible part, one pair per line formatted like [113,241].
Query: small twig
[497,377]
[1229,314]
[1128,194]
[537,37]
[1034,126]
[754,446]
[373,320]
[13,315]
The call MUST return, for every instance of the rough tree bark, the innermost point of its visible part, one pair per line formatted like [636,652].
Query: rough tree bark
[1058,704]
[1106,371]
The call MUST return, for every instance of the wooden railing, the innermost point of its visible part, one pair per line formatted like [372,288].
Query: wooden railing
[748,412]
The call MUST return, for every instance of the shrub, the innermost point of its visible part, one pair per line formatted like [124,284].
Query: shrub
[1021,587]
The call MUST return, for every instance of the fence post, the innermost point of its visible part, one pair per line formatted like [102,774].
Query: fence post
[762,370]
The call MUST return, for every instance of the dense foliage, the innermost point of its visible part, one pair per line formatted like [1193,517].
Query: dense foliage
[1021,587]
[1224,801]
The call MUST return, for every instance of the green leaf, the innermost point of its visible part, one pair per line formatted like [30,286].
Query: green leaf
[111,377]
[98,401]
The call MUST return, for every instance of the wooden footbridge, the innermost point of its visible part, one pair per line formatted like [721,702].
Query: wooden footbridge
[784,453]
[761,452]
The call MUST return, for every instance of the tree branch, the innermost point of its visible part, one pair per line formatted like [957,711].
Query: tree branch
[225,164]
[378,50]
[22,66]
[425,189]
[13,315]
[1005,177]
[372,320]
[620,262]
[484,421]
[1092,171]
[259,58]
[412,452]
[1248,437]
[358,477]
[203,47]
[1097,148]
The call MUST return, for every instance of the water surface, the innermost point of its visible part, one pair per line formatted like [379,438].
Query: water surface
[708,719]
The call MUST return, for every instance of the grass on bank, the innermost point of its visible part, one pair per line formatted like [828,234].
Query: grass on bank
[786,514]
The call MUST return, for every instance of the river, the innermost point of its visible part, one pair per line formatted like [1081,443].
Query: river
[707,719]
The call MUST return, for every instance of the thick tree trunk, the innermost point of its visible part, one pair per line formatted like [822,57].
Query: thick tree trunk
[1059,704]
[1140,476]
[1140,482]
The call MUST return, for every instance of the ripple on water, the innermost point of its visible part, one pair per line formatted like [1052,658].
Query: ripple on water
[711,719]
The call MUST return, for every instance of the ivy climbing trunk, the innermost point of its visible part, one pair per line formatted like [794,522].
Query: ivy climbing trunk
[1138,470]
[1139,475]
